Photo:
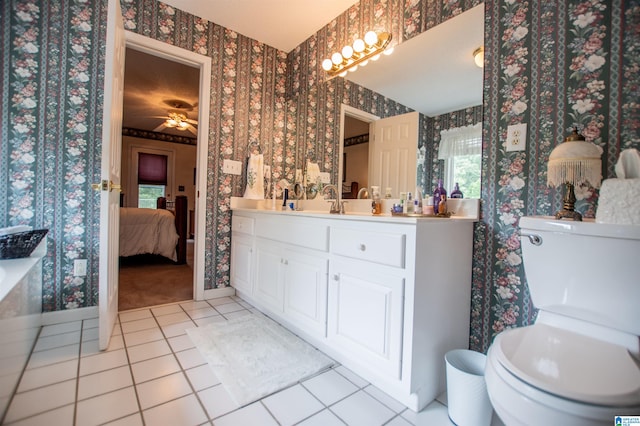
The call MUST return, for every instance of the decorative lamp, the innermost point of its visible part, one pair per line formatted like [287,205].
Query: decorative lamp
[574,162]
[478,56]
[358,54]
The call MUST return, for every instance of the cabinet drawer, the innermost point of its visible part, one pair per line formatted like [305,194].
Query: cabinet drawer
[372,246]
[298,231]
[242,224]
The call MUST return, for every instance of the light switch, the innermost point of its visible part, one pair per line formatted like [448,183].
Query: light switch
[231,167]
[325,177]
[517,137]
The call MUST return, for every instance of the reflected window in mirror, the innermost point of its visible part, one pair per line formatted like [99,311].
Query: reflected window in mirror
[461,149]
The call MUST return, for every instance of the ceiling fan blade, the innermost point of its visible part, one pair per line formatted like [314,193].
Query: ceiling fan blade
[190,121]
[160,128]
[193,130]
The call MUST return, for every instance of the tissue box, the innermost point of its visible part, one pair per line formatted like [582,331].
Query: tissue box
[619,202]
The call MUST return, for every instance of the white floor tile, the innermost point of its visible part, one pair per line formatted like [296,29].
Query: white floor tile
[107,407]
[177,329]
[190,358]
[134,315]
[166,310]
[93,347]
[139,325]
[208,320]
[217,401]
[103,361]
[65,327]
[323,418]
[193,305]
[385,399]
[362,409]
[59,416]
[132,420]
[207,311]
[254,414]
[185,411]
[433,414]
[57,340]
[154,368]
[148,350]
[172,318]
[202,377]
[236,314]
[228,307]
[398,421]
[164,389]
[53,356]
[330,387]
[292,405]
[220,301]
[181,343]
[144,336]
[39,400]
[48,375]
[352,377]
[104,382]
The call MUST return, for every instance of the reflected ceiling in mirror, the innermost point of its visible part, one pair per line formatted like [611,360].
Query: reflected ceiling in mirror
[434,72]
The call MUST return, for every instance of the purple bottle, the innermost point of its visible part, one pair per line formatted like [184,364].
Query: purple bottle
[436,195]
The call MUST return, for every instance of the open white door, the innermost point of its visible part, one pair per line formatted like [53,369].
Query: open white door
[393,153]
[109,187]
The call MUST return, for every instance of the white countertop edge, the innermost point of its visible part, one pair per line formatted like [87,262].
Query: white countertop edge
[12,271]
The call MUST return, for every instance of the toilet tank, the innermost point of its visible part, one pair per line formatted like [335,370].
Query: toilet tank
[584,270]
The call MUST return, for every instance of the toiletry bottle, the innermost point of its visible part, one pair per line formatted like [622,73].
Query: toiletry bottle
[376,203]
[409,203]
[442,205]
[456,193]
[436,195]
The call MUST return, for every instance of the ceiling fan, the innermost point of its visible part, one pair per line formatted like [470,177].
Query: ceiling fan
[178,118]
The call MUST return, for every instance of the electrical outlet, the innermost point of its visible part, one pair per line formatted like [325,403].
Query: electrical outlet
[231,167]
[325,177]
[298,175]
[80,268]
[517,137]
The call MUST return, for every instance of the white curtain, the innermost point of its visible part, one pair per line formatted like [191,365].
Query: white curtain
[458,141]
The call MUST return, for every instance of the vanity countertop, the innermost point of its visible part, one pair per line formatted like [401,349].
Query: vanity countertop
[13,270]
[465,210]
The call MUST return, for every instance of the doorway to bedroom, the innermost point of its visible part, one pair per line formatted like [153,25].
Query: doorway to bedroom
[159,172]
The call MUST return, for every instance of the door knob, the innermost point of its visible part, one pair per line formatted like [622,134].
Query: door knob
[106,185]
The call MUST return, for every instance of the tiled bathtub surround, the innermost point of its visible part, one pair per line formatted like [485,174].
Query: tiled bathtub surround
[153,373]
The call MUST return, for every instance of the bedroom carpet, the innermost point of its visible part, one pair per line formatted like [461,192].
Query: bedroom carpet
[147,280]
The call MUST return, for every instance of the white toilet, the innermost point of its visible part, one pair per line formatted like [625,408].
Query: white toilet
[579,364]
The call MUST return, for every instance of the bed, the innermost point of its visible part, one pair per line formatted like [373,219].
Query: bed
[155,231]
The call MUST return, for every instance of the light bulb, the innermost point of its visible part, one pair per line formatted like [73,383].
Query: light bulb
[327,64]
[389,51]
[347,52]
[183,125]
[371,38]
[375,57]
[342,74]
[363,63]
[358,46]
[172,123]
[336,58]
[353,68]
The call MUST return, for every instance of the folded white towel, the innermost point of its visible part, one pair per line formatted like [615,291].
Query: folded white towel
[619,201]
[313,172]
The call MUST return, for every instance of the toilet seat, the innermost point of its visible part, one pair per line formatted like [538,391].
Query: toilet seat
[569,365]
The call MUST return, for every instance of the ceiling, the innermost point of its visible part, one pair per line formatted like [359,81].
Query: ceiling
[432,73]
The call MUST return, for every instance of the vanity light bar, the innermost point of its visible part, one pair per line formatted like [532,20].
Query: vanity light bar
[358,54]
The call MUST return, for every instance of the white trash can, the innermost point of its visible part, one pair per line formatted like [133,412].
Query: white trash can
[467,397]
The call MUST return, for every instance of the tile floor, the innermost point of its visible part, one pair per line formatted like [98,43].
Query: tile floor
[153,375]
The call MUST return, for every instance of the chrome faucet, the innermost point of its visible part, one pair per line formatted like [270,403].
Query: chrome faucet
[337,206]
[363,193]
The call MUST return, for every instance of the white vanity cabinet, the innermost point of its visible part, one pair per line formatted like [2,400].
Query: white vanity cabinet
[242,249]
[385,296]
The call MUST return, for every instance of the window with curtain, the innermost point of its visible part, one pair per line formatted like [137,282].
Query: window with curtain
[461,149]
[152,179]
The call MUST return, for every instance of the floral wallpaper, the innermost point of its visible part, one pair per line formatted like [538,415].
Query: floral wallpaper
[551,65]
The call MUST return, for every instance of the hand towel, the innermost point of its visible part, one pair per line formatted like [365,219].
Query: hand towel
[255,177]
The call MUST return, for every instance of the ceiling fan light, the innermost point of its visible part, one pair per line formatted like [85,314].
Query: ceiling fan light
[183,125]
[171,122]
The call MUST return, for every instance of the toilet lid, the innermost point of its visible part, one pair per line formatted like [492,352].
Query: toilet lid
[570,365]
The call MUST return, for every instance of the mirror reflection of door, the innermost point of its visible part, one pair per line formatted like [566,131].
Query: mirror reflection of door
[355,171]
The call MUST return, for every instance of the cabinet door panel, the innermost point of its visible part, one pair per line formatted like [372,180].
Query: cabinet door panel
[365,315]
[241,263]
[268,282]
[306,291]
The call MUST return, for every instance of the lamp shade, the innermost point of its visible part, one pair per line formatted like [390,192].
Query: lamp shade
[575,161]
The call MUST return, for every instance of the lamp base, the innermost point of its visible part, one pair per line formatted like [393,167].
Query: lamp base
[569,201]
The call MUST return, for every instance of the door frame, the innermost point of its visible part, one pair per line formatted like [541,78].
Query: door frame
[346,110]
[203,63]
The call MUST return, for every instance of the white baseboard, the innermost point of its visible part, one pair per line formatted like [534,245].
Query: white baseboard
[69,315]
[216,293]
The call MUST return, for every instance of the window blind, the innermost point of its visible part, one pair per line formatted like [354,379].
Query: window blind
[152,169]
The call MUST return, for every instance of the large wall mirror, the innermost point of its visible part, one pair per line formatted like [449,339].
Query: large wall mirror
[433,73]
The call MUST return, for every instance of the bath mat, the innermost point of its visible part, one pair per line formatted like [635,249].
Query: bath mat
[254,357]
